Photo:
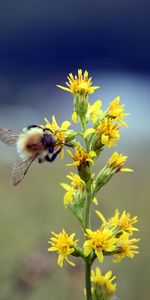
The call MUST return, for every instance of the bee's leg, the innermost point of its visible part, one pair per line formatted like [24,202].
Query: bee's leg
[54,155]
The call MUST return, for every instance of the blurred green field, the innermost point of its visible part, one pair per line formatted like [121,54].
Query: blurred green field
[34,208]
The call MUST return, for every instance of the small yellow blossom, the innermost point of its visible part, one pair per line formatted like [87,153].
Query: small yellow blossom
[124,222]
[88,131]
[116,161]
[125,247]
[77,182]
[58,131]
[77,185]
[64,245]
[115,111]
[94,111]
[98,241]
[104,281]
[108,132]
[74,117]
[79,84]
[81,157]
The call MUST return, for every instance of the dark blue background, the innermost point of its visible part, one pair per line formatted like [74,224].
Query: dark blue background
[43,37]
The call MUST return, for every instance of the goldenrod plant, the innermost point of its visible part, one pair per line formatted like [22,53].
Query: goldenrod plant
[114,236]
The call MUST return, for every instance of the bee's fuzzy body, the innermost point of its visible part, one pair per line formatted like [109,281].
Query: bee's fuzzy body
[30,142]
[33,142]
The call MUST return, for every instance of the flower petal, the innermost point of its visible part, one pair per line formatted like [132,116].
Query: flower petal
[126,170]
[74,117]
[100,215]
[65,125]
[88,131]
[63,88]
[66,186]
[104,139]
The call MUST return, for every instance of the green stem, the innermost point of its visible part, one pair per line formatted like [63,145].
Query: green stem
[87,262]
[83,124]
[87,221]
[88,279]
[87,211]
[87,145]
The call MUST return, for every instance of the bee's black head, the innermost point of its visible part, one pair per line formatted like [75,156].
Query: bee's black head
[49,142]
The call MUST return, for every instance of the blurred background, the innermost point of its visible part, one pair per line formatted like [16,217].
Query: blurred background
[40,43]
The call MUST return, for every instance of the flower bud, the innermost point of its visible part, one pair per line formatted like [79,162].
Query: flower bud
[103,177]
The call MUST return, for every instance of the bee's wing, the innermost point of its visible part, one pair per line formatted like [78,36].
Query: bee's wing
[20,169]
[8,136]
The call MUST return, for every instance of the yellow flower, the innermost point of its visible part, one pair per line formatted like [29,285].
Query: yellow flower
[108,132]
[64,245]
[79,84]
[58,131]
[115,111]
[77,186]
[124,222]
[104,281]
[125,247]
[77,182]
[116,161]
[81,157]
[55,129]
[98,241]
[94,111]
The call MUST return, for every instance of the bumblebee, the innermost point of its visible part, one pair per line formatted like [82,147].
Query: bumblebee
[34,142]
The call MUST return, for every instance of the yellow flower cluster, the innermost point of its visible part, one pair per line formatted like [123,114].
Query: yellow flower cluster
[81,157]
[116,161]
[58,131]
[114,237]
[64,245]
[105,241]
[114,165]
[107,133]
[125,247]
[103,282]
[74,190]
[106,123]
[121,227]
[99,241]
[94,111]
[79,84]
[115,111]
[123,222]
